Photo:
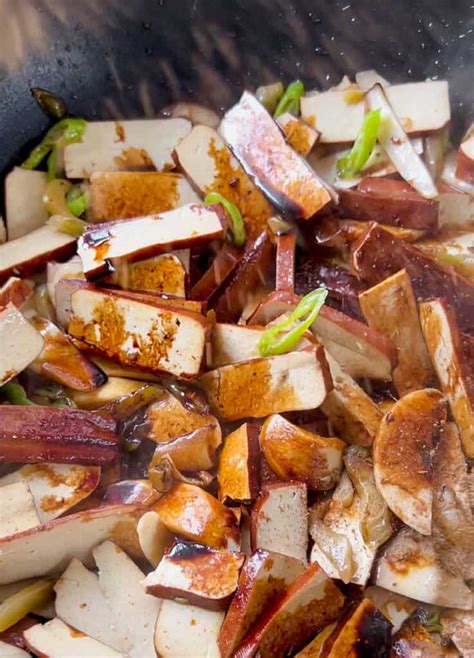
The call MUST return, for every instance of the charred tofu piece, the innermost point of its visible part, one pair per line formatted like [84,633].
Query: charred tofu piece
[142,237]
[143,334]
[237,473]
[125,146]
[197,574]
[257,388]
[452,364]
[390,308]
[126,194]
[16,291]
[21,343]
[283,176]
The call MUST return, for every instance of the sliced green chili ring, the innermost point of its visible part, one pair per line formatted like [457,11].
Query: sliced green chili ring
[292,329]
[76,201]
[16,394]
[70,130]
[353,161]
[238,225]
[290,101]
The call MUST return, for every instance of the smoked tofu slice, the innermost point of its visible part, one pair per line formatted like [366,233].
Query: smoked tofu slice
[16,291]
[452,365]
[283,176]
[142,237]
[55,639]
[20,343]
[17,509]
[163,274]
[125,146]
[24,191]
[390,308]
[237,473]
[465,159]
[151,336]
[420,107]
[211,167]
[30,253]
[260,387]
[299,135]
[127,194]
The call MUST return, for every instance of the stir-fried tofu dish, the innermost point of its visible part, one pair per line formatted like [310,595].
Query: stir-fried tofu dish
[237,380]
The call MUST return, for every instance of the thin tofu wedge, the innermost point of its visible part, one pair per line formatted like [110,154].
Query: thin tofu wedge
[465,160]
[55,639]
[296,454]
[55,488]
[452,365]
[282,175]
[257,388]
[142,237]
[194,514]
[163,274]
[49,548]
[125,146]
[263,578]
[155,539]
[402,456]
[194,451]
[138,334]
[409,566]
[63,363]
[126,194]
[24,191]
[280,520]
[211,167]
[21,343]
[30,253]
[390,308]
[311,601]
[196,574]
[187,631]
[11,651]
[17,509]
[350,410]
[237,473]
[299,135]
[16,291]
[420,106]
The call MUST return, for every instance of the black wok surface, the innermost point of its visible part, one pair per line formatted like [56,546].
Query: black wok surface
[129,58]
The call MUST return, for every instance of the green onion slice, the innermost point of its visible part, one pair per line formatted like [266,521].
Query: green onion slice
[76,200]
[70,225]
[302,317]
[290,101]
[238,226]
[353,161]
[16,394]
[70,130]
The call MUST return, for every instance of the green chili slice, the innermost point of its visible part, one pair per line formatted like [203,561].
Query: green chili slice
[70,130]
[76,201]
[238,226]
[52,163]
[302,317]
[290,101]
[16,394]
[353,161]
[70,225]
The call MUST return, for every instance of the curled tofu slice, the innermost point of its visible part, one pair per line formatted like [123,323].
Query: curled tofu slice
[21,343]
[452,365]
[420,106]
[350,410]
[55,488]
[17,509]
[16,291]
[280,520]
[30,253]
[197,574]
[361,625]
[465,159]
[62,362]
[311,601]
[187,631]
[296,454]
[264,577]
[284,177]
[126,194]
[50,547]
[408,565]
[211,167]
[154,537]
[125,146]
[390,308]
[299,135]
[25,212]
[55,639]
[142,237]
[257,388]
[194,451]
[237,473]
[194,514]
[402,456]
[148,335]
